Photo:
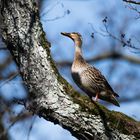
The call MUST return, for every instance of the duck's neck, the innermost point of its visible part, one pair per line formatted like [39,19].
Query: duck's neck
[79,61]
[78,52]
[78,44]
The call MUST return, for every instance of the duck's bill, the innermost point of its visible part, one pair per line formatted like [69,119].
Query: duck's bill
[65,34]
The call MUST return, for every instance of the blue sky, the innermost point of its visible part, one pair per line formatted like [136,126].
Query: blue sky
[75,15]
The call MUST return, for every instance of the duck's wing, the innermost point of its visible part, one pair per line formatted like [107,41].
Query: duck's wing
[95,79]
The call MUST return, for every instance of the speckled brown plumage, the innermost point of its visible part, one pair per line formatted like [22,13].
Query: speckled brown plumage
[88,78]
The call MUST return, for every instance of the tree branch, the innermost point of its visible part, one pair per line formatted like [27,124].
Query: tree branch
[107,55]
[5,63]
[131,1]
[51,96]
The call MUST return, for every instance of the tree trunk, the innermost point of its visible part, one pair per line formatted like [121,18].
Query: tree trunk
[51,96]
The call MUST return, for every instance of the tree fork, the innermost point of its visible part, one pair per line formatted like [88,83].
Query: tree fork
[51,96]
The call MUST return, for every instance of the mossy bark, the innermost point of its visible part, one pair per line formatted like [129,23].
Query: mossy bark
[51,96]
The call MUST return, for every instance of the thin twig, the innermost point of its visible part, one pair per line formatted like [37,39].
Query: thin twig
[14,75]
[131,1]
[121,40]
[31,127]
[106,33]
[22,115]
[106,55]
[131,7]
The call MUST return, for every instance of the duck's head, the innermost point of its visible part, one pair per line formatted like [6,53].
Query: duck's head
[76,37]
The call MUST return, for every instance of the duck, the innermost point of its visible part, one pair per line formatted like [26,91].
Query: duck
[88,78]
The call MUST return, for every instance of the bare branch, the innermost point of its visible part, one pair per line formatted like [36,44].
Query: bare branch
[9,78]
[131,1]
[66,12]
[135,9]
[3,48]
[31,126]
[135,98]
[6,63]
[58,17]
[122,38]
[106,55]
[20,117]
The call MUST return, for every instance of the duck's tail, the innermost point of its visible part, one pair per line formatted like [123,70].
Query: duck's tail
[114,101]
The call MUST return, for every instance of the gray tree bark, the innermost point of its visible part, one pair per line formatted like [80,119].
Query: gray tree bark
[51,97]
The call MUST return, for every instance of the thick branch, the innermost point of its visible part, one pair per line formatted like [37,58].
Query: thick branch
[107,55]
[51,96]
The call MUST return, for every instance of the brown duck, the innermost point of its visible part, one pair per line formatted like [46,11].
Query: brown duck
[88,78]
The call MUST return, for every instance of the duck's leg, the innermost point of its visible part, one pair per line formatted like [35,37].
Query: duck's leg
[96,97]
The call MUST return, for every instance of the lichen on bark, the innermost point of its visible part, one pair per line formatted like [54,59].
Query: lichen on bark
[51,96]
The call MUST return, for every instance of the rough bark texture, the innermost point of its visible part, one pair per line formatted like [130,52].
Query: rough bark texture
[51,96]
